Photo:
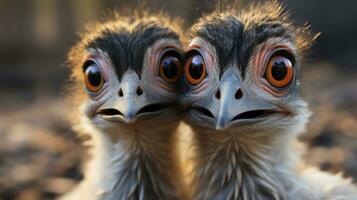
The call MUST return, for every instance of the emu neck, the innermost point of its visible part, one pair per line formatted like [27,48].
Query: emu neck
[242,166]
[136,164]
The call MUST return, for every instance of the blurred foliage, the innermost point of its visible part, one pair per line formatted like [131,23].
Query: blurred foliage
[39,154]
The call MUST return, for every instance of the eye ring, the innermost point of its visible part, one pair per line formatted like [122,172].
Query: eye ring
[195,69]
[280,71]
[93,78]
[170,68]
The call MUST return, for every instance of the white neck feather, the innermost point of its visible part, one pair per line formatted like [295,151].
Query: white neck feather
[244,166]
[136,164]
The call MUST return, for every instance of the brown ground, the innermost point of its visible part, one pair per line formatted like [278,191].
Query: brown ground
[40,156]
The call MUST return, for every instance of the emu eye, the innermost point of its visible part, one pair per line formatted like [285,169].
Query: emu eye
[280,71]
[170,68]
[195,69]
[93,78]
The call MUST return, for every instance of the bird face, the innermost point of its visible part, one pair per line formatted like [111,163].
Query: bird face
[242,76]
[132,76]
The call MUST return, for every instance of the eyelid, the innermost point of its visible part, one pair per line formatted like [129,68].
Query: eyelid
[175,52]
[282,52]
[267,52]
[179,69]
[206,55]
[98,95]
[103,65]
[88,63]
[159,54]
[262,59]
[189,78]
[165,85]
[192,52]
[199,87]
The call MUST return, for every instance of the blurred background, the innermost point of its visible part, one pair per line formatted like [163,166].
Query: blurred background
[40,156]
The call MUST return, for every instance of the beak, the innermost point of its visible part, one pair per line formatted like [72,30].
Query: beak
[233,105]
[132,102]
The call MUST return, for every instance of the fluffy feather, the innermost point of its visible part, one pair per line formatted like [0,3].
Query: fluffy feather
[127,161]
[257,161]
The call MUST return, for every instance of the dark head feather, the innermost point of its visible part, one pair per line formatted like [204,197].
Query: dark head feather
[125,40]
[235,32]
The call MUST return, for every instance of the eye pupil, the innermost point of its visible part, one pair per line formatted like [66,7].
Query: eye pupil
[169,67]
[279,70]
[196,67]
[94,76]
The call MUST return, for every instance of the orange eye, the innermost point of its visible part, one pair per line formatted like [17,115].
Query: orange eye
[280,71]
[171,69]
[195,69]
[93,78]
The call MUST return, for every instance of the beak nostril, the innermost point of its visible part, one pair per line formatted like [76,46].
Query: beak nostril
[139,91]
[121,92]
[239,94]
[218,94]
